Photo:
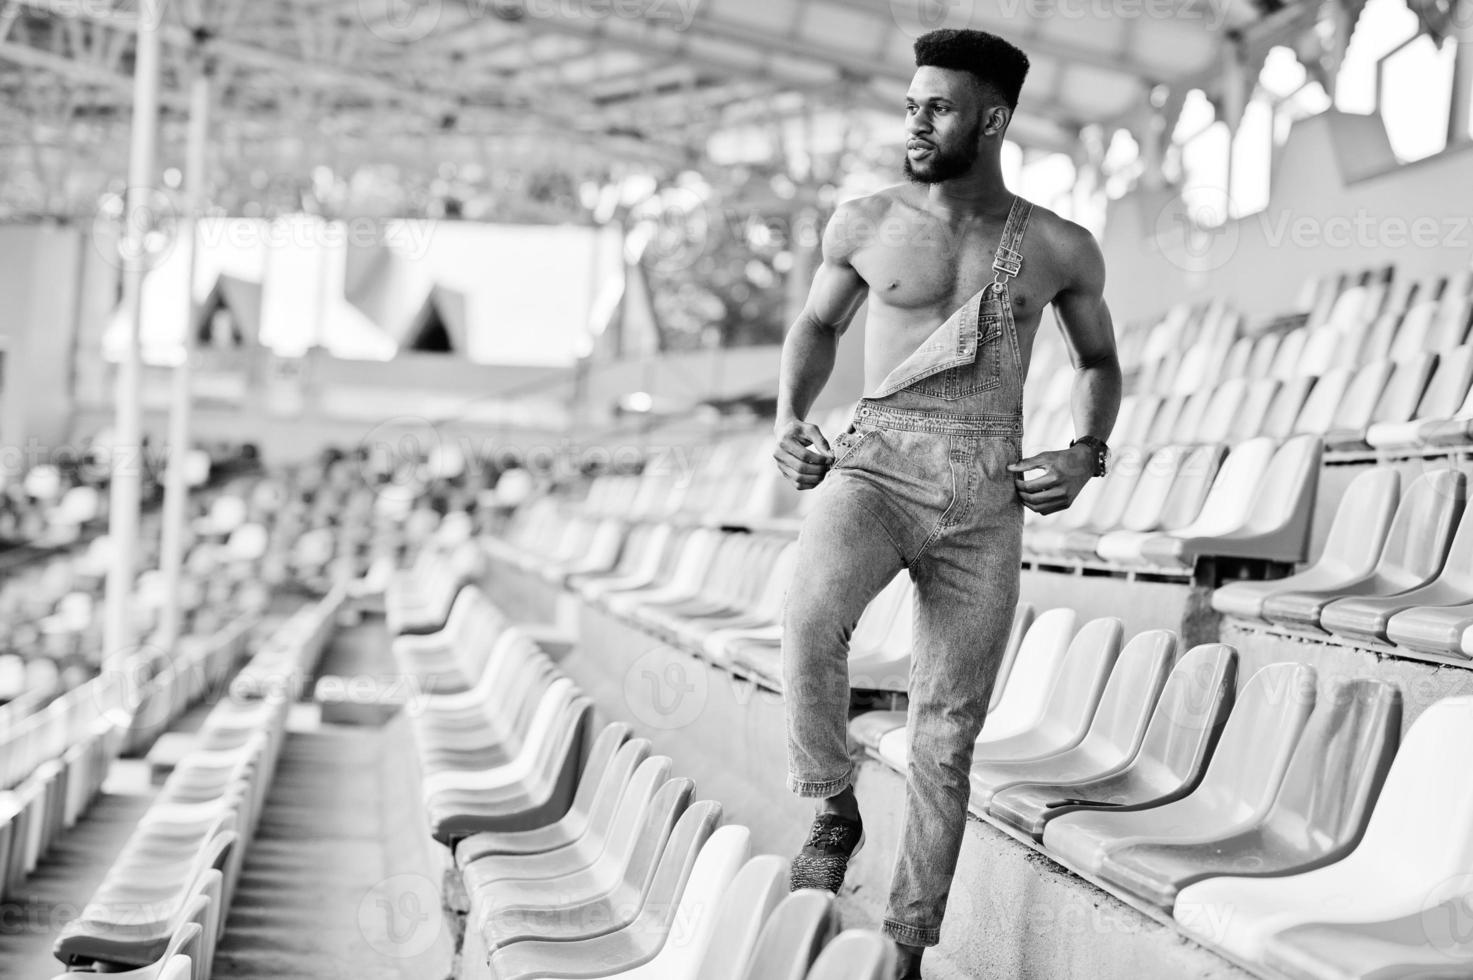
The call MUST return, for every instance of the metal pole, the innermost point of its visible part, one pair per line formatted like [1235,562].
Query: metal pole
[127,469]
[176,492]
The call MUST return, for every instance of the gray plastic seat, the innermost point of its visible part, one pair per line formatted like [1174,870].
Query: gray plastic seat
[1445,394]
[795,933]
[1245,771]
[599,850]
[1398,402]
[621,794]
[592,902]
[1416,545]
[695,868]
[1145,503]
[599,791]
[856,954]
[1115,729]
[1317,815]
[1188,717]
[1366,618]
[1181,507]
[1353,546]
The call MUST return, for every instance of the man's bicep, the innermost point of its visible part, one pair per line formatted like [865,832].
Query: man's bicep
[1083,315]
[836,295]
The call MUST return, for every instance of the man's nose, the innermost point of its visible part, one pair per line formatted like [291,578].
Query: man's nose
[918,122]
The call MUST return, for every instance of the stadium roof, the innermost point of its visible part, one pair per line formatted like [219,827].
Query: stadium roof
[531,86]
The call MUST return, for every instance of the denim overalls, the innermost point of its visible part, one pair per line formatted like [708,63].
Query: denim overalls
[919,482]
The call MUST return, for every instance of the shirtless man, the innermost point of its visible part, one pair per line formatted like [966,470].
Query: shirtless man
[927,478]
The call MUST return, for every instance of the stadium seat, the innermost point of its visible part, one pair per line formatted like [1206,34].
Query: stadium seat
[1254,412]
[597,900]
[1244,772]
[1416,544]
[1182,730]
[793,936]
[1315,412]
[1352,547]
[686,891]
[1402,858]
[1116,726]
[1189,489]
[1317,814]
[856,954]
[1271,521]
[600,789]
[1355,409]
[1365,618]
[1397,404]
[1444,397]
[746,907]
[1145,503]
[181,959]
[481,864]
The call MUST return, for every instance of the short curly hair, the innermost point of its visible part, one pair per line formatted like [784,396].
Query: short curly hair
[991,60]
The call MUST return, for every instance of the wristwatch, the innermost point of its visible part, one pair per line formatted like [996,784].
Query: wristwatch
[1102,452]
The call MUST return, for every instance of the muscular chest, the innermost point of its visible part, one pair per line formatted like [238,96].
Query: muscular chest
[924,267]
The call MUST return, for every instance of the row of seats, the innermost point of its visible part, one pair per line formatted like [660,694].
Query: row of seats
[287,660]
[1248,814]
[1180,503]
[1395,569]
[165,898]
[715,594]
[579,852]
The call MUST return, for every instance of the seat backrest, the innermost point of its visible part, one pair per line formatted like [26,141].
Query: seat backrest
[1288,487]
[1362,519]
[1411,334]
[1338,768]
[1144,510]
[1449,388]
[1420,533]
[1358,403]
[609,784]
[1023,616]
[1261,364]
[1221,413]
[660,818]
[1349,307]
[1247,766]
[1141,420]
[1405,389]
[1316,409]
[1040,657]
[1130,694]
[1189,420]
[1418,830]
[1252,415]
[1116,491]
[1230,500]
[856,954]
[745,908]
[649,778]
[1450,327]
[1286,358]
[1168,414]
[1194,478]
[599,761]
[1236,363]
[1319,351]
[1190,711]
[801,925]
[1078,686]
[1379,338]
[780,575]
[680,869]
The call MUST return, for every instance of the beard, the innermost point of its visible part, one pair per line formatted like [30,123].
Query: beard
[945,164]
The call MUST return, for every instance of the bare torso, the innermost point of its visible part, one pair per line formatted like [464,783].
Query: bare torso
[921,267]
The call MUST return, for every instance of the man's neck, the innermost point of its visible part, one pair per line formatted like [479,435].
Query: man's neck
[979,192]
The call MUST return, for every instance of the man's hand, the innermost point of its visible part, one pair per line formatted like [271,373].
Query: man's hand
[1065,474]
[802,453]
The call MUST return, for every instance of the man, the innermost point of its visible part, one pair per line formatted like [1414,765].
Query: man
[957,271]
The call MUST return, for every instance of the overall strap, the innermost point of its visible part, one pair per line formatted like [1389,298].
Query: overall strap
[1009,260]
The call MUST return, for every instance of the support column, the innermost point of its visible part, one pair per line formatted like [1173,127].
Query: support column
[176,489]
[127,468]
[1458,129]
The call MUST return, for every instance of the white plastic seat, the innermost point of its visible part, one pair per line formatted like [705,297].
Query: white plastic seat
[746,906]
[1181,504]
[856,954]
[1351,549]
[1396,406]
[1416,840]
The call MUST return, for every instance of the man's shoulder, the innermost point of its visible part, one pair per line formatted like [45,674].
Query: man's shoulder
[857,220]
[1064,238]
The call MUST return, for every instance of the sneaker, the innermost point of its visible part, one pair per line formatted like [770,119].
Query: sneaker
[832,843]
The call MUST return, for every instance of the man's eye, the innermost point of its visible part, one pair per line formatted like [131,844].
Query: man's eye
[909,108]
[941,108]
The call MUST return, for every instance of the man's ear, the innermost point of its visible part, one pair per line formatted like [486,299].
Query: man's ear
[995,121]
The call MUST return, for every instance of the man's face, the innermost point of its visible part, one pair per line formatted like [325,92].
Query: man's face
[943,125]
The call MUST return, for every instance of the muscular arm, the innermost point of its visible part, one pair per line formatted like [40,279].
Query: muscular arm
[1095,400]
[1091,339]
[809,352]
